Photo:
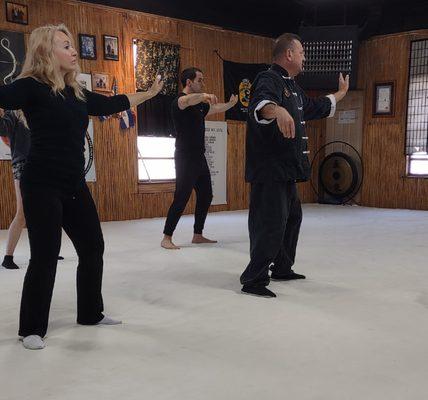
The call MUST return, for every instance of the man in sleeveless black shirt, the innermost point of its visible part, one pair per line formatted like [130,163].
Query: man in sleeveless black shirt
[189,110]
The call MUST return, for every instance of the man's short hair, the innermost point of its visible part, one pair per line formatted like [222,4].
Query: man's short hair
[188,73]
[283,43]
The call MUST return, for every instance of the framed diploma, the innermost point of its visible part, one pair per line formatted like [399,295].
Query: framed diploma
[383,102]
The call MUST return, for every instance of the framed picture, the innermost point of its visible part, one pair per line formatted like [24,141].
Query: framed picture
[85,80]
[87,46]
[383,101]
[111,47]
[17,13]
[101,82]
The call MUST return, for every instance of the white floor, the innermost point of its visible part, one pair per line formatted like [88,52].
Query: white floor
[356,329]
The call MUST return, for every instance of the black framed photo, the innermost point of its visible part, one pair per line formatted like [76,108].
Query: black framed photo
[16,13]
[87,46]
[111,47]
[383,99]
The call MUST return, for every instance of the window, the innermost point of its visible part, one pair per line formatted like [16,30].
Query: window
[155,128]
[417,110]
[156,159]
[418,164]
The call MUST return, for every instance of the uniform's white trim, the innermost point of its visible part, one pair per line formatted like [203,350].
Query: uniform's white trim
[259,107]
[333,105]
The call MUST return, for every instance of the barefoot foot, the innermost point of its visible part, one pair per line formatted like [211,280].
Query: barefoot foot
[198,239]
[167,243]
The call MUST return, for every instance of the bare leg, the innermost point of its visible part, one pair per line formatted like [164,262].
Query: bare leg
[167,243]
[17,224]
[15,230]
[198,238]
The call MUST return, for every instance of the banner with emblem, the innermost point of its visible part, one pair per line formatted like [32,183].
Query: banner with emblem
[238,78]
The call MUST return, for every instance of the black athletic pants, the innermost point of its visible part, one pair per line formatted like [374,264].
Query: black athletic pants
[47,210]
[191,173]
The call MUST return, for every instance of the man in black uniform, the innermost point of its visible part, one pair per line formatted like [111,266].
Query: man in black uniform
[276,158]
[189,110]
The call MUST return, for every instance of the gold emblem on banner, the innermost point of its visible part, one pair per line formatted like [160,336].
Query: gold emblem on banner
[244,92]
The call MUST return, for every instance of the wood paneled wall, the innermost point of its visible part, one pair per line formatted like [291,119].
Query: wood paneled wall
[116,191]
[383,59]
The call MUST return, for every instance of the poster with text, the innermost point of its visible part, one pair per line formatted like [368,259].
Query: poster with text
[216,154]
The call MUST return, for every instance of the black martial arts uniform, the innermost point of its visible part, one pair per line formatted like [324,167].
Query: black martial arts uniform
[191,166]
[273,166]
[55,196]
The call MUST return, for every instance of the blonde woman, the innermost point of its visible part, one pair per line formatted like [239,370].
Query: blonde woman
[53,187]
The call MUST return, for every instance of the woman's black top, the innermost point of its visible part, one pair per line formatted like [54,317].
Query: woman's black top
[58,125]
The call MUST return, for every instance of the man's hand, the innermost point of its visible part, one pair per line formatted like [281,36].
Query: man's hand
[285,122]
[343,84]
[233,99]
[211,99]
[343,87]
[1,113]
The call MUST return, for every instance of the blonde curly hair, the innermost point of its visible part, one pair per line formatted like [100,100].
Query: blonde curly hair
[40,61]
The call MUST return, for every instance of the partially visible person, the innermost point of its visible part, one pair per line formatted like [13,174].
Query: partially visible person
[14,127]
[14,130]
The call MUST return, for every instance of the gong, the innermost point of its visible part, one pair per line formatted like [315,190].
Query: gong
[338,175]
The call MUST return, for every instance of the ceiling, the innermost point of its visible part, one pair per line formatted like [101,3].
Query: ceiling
[273,17]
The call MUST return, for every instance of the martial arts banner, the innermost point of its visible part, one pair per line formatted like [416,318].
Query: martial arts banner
[216,155]
[4,151]
[12,53]
[90,174]
[238,78]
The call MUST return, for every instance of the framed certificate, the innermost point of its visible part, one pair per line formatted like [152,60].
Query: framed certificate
[383,101]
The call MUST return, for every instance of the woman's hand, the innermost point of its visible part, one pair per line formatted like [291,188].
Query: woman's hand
[156,86]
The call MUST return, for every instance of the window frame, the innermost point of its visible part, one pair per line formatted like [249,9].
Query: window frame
[409,98]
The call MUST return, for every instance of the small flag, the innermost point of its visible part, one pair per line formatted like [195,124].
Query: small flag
[127,119]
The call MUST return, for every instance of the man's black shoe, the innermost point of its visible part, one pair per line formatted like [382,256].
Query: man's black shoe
[288,277]
[260,291]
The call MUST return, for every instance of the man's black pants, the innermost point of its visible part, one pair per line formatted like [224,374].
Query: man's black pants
[191,173]
[274,223]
